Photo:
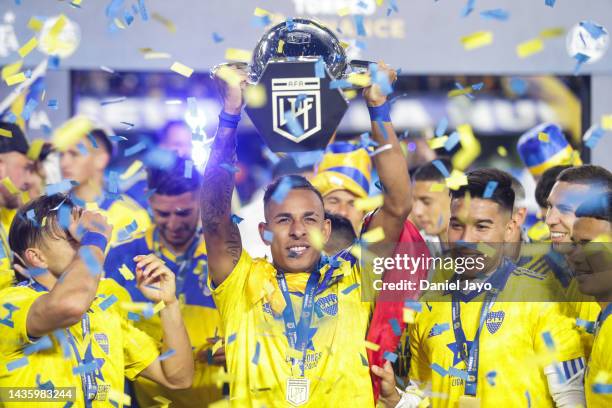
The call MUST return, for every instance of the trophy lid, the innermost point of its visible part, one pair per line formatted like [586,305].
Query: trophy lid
[301,37]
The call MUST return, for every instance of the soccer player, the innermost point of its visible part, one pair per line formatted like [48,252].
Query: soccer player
[592,264]
[85,162]
[295,327]
[62,327]
[431,207]
[491,348]
[15,178]
[175,238]
[544,185]
[342,234]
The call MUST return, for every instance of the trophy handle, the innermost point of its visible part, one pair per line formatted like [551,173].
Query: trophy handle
[243,66]
[357,67]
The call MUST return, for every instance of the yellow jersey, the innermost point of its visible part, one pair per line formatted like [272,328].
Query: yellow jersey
[259,358]
[103,345]
[598,378]
[197,308]
[7,274]
[517,340]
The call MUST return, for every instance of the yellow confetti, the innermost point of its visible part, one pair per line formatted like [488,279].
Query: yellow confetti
[372,346]
[132,170]
[71,132]
[119,23]
[530,47]
[156,55]
[502,151]
[119,397]
[538,231]
[28,47]
[424,403]
[181,69]
[409,315]
[553,32]
[11,69]
[470,148]
[375,235]
[162,400]
[6,133]
[379,2]
[477,40]
[15,79]
[44,221]
[316,239]
[344,44]
[35,24]
[360,80]
[369,203]
[456,179]
[10,186]
[350,94]
[134,306]
[543,137]
[281,45]
[58,26]
[437,187]
[462,91]
[159,306]
[235,54]
[228,75]
[166,22]
[437,142]
[259,12]
[344,11]
[126,273]
[255,96]
[218,344]
[606,122]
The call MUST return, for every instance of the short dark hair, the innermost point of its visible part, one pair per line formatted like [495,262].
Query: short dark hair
[342,232]
[429,171]
[597,206]
[100,137]
[294,181]
[587,174]
[519,191]
[546,183]
[174,180]
[27,232]
[287,165]
[477,185]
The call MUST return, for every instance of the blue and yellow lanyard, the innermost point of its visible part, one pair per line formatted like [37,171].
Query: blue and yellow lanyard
[184,262]
[471,355]
[88,379]
[603,315]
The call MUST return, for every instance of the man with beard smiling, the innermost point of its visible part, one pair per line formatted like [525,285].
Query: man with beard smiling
[591,260]
[461,337]
[295,327]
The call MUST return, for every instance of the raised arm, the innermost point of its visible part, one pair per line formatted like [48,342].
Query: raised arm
[391,167]
[222,237]
[71,297]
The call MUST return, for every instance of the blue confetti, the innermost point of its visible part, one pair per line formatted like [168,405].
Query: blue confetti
[580,60]
[95,268]
[260,21]
[166,355]
[229,168]
[231,338]
[491,377]
[52,104]
[82,149]
[594,30]
[115,100]
[143,10]
[518,86]
[117,138]
[528,399]
[599,388]
[364,361]
[217,37]
[92,140]
[441,128]
[469,7]
[358,19]
[31,104]
[320,68]
[495,14]
[310,158]
[413,305]
[148,312]
[108,302]
[455,372]
[548,340]
[339,84]
[133,316]
[41,344]
[236,219]
[478,86]
[85,368]
[290,24]
[589,326]
[62,187]
[60,335]
[255,359]
[138,147]
[34,272]
[268,236]
[53,62]
[550,3]
[15,364]
[490,189]
[438,369]
[349,289]
[64,217]
[441,168]
[188,169]
[397,330]
[282,190]
[127,16]
[596,135]
[392,357]
[452,141]
[439,329]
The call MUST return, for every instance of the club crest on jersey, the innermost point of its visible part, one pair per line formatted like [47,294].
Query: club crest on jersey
[102,341]
[267,309]
[328,304]
[494,321]
[301,99]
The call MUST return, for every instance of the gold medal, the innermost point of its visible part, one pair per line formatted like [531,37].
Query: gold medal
[297,391]
[469,401]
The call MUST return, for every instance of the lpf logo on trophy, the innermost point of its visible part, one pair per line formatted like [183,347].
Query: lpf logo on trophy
[296,62]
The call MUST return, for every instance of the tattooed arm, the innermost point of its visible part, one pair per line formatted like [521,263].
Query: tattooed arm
[223,243]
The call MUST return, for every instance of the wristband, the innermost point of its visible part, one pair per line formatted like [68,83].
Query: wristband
[229,121]
[94,238]
[380,113]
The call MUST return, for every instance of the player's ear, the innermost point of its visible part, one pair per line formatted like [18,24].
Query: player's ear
[263,228]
